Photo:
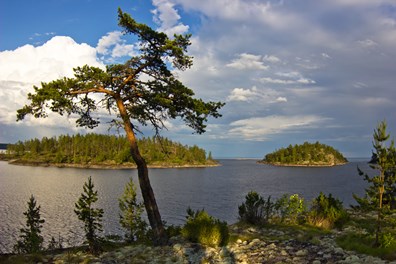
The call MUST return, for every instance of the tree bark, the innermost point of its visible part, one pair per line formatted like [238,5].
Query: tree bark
[159,236]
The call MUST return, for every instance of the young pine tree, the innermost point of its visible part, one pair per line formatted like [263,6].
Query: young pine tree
[92,217]
[381,186]
[131,213]
[31,241]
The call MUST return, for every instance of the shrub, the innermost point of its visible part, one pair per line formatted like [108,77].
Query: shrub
[31,240]
[204,229]
[255,210]
[327,212]
[92,217]
[131,214]
[291,209]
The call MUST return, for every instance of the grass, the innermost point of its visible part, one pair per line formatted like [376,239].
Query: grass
[364,244]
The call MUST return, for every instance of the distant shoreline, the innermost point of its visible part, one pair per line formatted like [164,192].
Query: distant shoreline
[107,166]
[302,165]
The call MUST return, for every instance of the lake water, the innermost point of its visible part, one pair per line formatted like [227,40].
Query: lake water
[217,189]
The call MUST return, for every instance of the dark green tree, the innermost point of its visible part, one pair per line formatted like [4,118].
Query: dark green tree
[131,213]
[143,90]
[31,240]
[91,216]
[381,190]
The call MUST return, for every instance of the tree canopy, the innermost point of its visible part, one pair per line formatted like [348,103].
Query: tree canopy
[307,154]
[143,90]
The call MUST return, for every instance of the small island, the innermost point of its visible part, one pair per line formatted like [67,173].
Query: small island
[305,155]
[104,152]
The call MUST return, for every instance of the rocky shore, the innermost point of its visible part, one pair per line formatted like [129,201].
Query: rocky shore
[250,245]
[105,165]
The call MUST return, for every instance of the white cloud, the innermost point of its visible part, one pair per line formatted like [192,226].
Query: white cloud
[167,17]
[261,128]
[28,65]
[292,77]
[281,99]
[240,94]
[271,58]
[281,81]
[263,95]
[247,61]
[114,46]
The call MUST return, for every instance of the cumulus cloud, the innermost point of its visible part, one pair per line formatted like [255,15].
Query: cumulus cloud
[112,46]
[246,61]
[261,128]
[166,15]
[28,65]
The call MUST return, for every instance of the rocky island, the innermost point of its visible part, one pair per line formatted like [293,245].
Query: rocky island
[305,155]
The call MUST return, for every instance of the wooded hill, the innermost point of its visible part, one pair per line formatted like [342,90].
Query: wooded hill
[307,154]
[107,150]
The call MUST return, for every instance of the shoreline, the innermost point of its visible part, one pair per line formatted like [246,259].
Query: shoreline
[107,166]
[302,165]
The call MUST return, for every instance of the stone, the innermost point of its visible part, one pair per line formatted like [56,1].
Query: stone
[302,252]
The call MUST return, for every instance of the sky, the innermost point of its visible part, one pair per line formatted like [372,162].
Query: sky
[288,71]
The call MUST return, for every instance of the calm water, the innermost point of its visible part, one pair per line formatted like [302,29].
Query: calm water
[219,190]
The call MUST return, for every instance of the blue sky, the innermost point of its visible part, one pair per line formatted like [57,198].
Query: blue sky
[288,71]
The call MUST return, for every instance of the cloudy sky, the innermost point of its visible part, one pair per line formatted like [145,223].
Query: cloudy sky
[289,71]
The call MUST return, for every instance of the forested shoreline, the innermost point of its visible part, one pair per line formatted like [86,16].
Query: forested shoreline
[101,151]
[307,155]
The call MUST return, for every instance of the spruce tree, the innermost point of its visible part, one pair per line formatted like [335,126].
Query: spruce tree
[30,240]
[92,217]
[381,190]
[131,213]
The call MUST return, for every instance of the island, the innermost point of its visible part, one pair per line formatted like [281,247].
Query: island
[305,155]
[104,152]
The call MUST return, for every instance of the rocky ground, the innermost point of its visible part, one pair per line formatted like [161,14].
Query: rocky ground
[248,245]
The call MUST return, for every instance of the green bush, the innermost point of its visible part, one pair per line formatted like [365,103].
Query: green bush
[291,209]
[327,212]
[255,210]
[204,229]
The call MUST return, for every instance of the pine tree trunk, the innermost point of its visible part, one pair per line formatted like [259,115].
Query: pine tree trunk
[144,181]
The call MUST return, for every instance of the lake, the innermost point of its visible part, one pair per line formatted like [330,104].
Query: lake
[219,190]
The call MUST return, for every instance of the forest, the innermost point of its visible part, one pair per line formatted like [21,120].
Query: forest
[307,154]
[107,150]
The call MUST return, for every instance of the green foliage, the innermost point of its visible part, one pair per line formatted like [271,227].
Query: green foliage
[131,214]
[327,212]
[106,149]
[203,228]
[363,243]
[381,193]
[30,239]
[306,154]
[291,208]
[255,210]
[92,217]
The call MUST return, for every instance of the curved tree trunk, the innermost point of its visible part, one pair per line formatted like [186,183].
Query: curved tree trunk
[144,181]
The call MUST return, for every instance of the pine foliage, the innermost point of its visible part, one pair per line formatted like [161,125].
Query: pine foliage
[31,240]
[131,213]
[91,216]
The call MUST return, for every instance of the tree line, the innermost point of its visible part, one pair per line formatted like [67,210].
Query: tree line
[306,154]
[106,149]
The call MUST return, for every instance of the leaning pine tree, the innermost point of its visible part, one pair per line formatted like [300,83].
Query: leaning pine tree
[143,90]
